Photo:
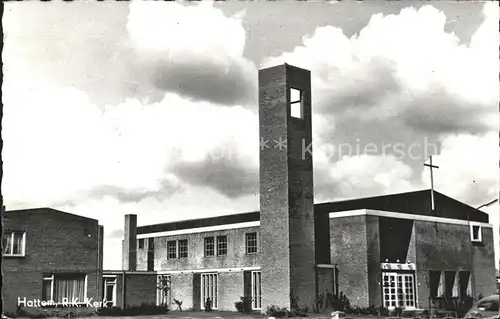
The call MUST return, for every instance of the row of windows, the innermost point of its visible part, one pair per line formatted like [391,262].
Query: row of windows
[213,246]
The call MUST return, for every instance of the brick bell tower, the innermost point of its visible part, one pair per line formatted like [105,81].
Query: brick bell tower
[286,188]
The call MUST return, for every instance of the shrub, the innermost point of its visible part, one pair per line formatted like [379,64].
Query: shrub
[398,311]
[383,311]
[275,311]
[208,305]
[244,305]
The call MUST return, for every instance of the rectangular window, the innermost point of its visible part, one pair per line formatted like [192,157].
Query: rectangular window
[172,249]
[398,290]
[256,290]
[209,283]
[65,288]
[14,243]
[296,108]
[183,248]
[209,247]
[251,243]
[141,243]
[476,233]
[221,245]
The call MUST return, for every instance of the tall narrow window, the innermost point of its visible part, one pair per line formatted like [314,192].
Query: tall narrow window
[296,109]
[221,245]
[251,243]
[209,287]
[256,290]
[13,243]
[183,248]
[209,247]
[172,249]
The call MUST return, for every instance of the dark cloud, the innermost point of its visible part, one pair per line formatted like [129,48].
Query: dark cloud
[357,91]
[443,112]
[231,178]
[199,80]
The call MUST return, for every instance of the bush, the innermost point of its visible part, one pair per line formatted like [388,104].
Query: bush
[244,305]
[383,311]
[47,312]
[275,311]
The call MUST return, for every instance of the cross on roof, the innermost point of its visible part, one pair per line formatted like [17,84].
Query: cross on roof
[432,180]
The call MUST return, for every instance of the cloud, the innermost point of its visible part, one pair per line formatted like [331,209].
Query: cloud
[144,50]
[468,167]
[59,145]
[203,63]
[406,68]
[401,81]
[362,176]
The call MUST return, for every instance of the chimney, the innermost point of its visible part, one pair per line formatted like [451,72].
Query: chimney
[129,252]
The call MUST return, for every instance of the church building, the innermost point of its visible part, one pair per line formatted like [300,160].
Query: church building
[393,251]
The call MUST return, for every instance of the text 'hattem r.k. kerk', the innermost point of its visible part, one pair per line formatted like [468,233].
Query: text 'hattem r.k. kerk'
[390,251]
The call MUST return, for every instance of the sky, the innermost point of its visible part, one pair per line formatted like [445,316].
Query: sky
[150,108]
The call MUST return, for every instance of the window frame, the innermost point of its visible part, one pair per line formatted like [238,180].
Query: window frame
[479,238]
[23,243]
[225,248]
[247,246]
[175,246]
[179,255]
[52,278]
[256,304]
[212,277]
[205,245]
[294,103]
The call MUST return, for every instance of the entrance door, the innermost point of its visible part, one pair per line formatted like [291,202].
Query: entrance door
[398,290]
[110,291]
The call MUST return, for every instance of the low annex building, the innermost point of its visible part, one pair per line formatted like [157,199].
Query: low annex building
[50,258]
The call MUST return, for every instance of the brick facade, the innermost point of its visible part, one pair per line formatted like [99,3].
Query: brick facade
[286,190]
[55,243]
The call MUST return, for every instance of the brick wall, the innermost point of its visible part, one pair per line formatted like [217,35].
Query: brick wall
[348,245]
[484,264]
[139,289]
[441,246]
[274,205]
[373,260]
[286,190]
[56,242]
